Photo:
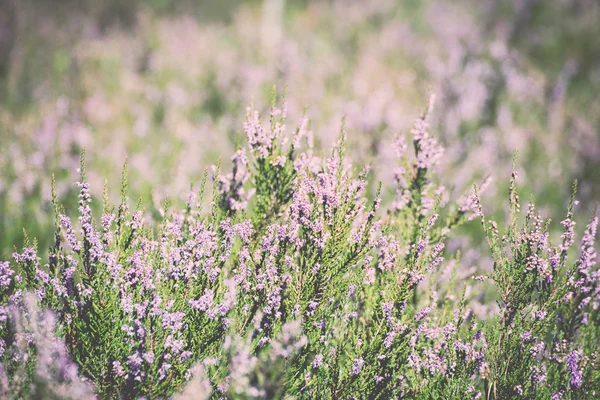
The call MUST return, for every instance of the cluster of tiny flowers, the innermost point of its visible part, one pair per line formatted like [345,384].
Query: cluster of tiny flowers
[429,151]
[232,184]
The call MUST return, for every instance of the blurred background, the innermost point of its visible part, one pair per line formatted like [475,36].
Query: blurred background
[166,83]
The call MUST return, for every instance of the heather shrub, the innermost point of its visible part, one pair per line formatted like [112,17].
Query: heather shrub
[162,84]
[289,277]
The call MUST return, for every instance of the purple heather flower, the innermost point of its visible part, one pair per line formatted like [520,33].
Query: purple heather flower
[118,369]
[232,184]
[414,361]
[538,349]
[204,302]
[569,232]
[357,366]
[278,161]
[429,152]
[351,290]
[387,308]
[173,321]
[107,221]
[318,361]
[399,146]
[573,368]
[471,203]
[389,339]
[139,329]
[29,255]
[519,390]
[65,222]
[301,132]
[258,139]
[5,274]
[162,372]
[526,336]
[423,313]
[185,355]
[176,345]
[389,249]
[432,220]
[149,357]
[369,278]
[538,374]
[540,315]
[576,379]
[558,395]
[421,246]
[134,361]
[4,313]
[449,330]
[87,225]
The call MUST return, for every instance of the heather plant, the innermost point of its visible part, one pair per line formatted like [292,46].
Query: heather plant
[161,88]
[293,279]
[38,364]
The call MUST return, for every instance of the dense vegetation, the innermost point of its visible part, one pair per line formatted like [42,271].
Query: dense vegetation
[315,244]
[292,282]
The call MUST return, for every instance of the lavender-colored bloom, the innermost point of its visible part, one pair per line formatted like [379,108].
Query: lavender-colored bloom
[421,246]
[4,313]
[90,236]
[357,366]
[149,357]
[369,276]
[423,313]
[204,302]
[176,345]
[399,146]
[573,368]
[134,362]
[139,329]
[538,349]
[538,374]
[232,184]
[540,315]
[5,274]
[471,203]
[318,361]
[569,232]
[173,321]
[449,330]
[585,281]
[351,290]
[387,308]
[558,395]
[185,355]
[429,152]
[519,390]
[389,339]
[526,336]
[162,372]
[29,255]
[65,222]
[414,361]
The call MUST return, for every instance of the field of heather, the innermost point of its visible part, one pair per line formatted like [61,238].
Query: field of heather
[299,199]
